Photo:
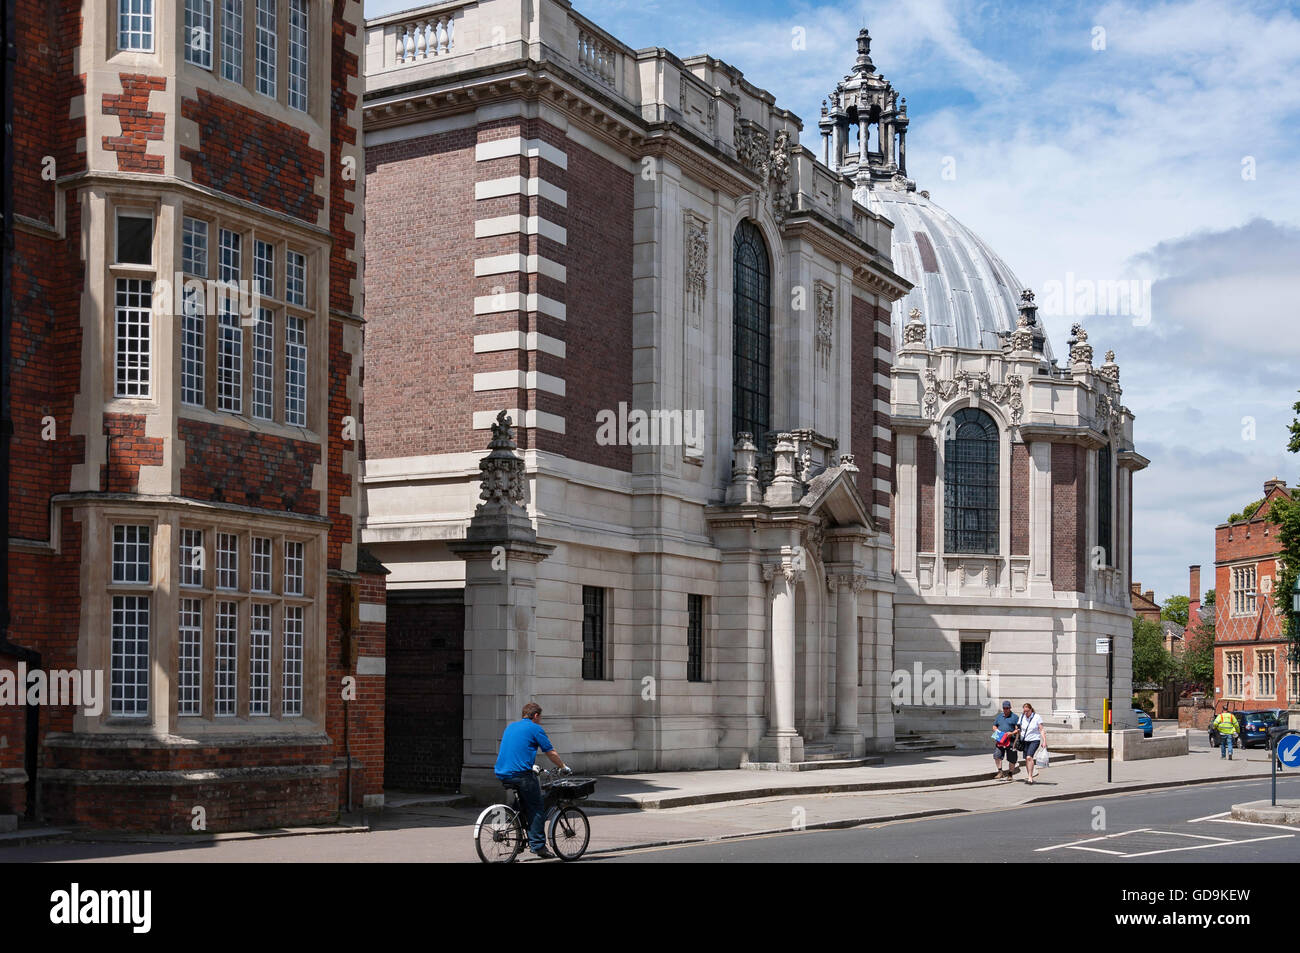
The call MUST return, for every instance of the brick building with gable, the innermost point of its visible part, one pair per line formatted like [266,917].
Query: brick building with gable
[1251,668]
[186,397]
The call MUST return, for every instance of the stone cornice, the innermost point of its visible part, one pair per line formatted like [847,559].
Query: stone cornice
[1058,433]
[135,500]
[1132,460]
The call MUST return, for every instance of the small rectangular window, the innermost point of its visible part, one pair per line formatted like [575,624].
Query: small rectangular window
[232,40]
[192,558]
[298,54]
[189,689]
[198,33]
[265,47]
[972,657]
[227,561]
[230,254]
[291,705]
[230,360]
[295,372]
[259,660]
[261,569]
[134,239]
[129,657]
[295,291]
[194,247]
[225,654]
[135,25]
[264,268]
[263,363]
[694,638]
[193,346]
[293,568]
[131,554]
[132,341]
[593,633]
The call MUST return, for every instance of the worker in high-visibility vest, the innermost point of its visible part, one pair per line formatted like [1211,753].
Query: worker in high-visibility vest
[1225,723]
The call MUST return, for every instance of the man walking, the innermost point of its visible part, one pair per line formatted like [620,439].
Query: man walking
[1225,723]
[514,768]
[1008,723]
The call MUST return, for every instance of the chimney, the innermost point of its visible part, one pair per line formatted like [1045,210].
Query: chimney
[1194,597]
[1136,587]
[1270,485]
[1149,595]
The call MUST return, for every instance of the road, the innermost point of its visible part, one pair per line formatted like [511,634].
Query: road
[1187,825]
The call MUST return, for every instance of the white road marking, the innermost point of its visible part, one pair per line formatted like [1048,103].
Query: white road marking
[1174,850]
[1208,817]
[1090,840]
[1197,836]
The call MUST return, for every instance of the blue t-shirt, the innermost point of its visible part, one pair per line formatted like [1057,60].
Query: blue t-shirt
[519,746]
[1006,722]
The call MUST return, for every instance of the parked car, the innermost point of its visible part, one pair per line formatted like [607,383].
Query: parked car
[1255,726]
[1144,722]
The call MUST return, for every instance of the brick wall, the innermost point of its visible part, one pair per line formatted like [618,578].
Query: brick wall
[1069,528]
[140,125]
[128,450]
[598,368]
[861,400]
[225,465]
[253,157]
[419,296]
[1019,499]
[926,480]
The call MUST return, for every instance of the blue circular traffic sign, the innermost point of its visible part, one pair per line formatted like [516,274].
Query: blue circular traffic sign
[1288,751]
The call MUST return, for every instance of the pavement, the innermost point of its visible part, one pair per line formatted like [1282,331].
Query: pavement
[656,809]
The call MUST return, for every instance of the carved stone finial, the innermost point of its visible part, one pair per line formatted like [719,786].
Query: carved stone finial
[1110,370]
[914,331]
[1080,349]
[502,470]
[744,486]
[1110,357]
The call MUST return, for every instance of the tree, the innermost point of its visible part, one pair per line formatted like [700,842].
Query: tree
[1285,514]
[1175,610]
[1209,598]
[1196,667]
[1152,662]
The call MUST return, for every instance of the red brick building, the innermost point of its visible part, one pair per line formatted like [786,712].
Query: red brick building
[1250,647]
[185,297]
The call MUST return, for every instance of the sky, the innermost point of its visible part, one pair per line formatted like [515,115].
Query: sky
[1090,142]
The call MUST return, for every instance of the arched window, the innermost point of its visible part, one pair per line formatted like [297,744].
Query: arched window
[970,478]
[751,316]
[1103,505]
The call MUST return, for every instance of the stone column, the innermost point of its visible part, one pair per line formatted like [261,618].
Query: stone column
[905,511]
[846,664]
[501,554]
[782,742]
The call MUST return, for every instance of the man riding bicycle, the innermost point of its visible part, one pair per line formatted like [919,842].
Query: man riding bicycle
[514,768]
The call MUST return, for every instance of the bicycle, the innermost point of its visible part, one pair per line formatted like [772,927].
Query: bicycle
[499,832]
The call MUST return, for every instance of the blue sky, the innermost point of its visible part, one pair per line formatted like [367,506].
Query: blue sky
[1107,141]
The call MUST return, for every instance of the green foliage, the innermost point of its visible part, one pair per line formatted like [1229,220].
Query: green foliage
[1196,667]
[1285,514]
[1151,660]
[1143,700]
[1209,598]
[1175,609]
[1293,444]
[1249,510]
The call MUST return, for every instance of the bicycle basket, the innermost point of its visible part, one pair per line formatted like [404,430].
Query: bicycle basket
[570,789]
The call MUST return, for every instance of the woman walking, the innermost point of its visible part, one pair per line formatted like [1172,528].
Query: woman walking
[1031,733]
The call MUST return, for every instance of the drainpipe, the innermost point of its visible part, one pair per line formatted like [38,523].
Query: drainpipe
[23,654]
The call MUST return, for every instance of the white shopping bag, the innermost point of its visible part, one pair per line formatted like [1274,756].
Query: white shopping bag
[1042,759]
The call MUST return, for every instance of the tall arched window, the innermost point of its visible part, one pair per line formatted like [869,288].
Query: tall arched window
[1104,523]
[970,478]
[751,316]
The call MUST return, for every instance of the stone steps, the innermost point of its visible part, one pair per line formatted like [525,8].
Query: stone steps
[915,743]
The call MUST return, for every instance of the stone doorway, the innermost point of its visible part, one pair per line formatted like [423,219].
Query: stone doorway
[424,705]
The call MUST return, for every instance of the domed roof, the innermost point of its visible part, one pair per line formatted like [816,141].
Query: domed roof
[965,292]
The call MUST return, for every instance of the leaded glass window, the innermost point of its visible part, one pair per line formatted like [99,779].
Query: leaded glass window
[970,506]
[1103,505]
[751,307]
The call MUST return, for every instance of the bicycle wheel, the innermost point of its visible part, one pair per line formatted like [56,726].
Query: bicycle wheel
[570,833]
[498,835]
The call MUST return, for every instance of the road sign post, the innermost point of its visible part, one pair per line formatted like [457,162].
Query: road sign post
[1106,647]
[1286,749]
